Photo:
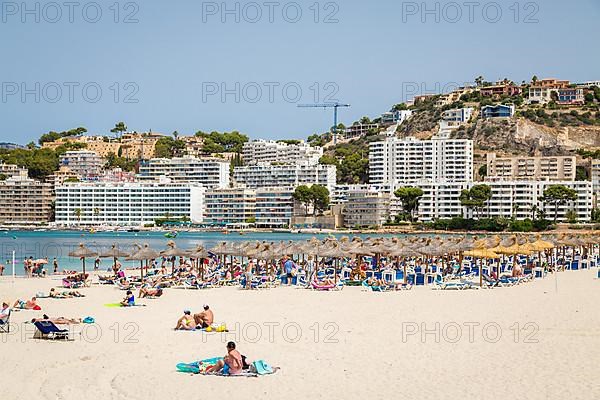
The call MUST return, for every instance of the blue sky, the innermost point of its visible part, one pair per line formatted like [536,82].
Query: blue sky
[189,65]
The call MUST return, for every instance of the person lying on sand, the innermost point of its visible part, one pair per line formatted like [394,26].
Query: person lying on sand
[58,320]
[65,295]
[187,322]
[231,364]
[26,305]
[129,299]
[205,318]
[150,291]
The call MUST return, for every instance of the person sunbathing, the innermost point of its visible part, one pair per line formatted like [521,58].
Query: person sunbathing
[231,364]
[324,282]
[187,322]
[129,299]
[26,305]
[150,292]
[4,313]
[58,320]
[205,318]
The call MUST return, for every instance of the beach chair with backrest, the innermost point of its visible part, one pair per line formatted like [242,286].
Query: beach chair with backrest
[48,330]
[5,324]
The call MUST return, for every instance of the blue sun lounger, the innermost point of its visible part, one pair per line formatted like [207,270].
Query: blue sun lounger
[50,331]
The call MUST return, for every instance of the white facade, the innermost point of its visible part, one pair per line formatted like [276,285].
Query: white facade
[232,206]
[395,117]
[288,175]
[274,207]
[82,162]
[127,204]
[516,199]
[268,151]
[366,207]
[403,161]
[210,172]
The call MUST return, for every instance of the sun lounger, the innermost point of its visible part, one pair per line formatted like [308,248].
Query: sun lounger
[48,330]
[439,283]
[5,324]
[317,286]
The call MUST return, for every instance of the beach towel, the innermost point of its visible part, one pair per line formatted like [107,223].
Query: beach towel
[118,305]
[258,368]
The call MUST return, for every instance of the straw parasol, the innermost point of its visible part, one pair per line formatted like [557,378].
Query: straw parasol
[144,254]
[82,253]
[173,251]
[114,253]
[484,254]
[199,253]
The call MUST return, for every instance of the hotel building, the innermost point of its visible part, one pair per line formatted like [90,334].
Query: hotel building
[274,207]
[288,175]
[24,200]
[127,204]
[234,207]
[403,161]
[366,207]
[263,151]
[559,168]
[210,172]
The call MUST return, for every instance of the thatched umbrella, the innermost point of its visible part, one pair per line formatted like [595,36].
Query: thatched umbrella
[114,253]
[144,254]
[199,253]
[82,253]
[483,254]
[172,251]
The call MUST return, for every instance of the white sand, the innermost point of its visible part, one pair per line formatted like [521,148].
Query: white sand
[370,359]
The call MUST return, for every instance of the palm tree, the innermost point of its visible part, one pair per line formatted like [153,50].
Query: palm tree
[78,212]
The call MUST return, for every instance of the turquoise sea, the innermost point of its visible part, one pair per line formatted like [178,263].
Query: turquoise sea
[50,244]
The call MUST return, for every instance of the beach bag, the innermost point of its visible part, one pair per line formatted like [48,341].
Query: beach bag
[262,368]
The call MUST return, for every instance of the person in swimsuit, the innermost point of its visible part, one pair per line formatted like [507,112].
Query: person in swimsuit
[26,305]
[129,300]
[231,364]
[205,318]
[187,322]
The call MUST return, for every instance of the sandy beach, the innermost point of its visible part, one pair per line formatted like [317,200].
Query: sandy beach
[328,344]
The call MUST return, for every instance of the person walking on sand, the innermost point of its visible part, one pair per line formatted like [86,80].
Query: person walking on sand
[2,269]
[288,269]
[55,265]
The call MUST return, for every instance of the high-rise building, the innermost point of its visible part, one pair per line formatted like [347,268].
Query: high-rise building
[127,204]
[287,175]
[397,161]
[82,162]
[211,172]
[274,207]
[263,151]
[554,168]
[24,200]
[234,207]
[366,207]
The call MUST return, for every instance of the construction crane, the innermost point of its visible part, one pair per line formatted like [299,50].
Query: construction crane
[335,107]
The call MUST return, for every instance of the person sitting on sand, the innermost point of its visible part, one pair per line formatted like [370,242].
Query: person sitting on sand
[149,291]
[205,318]
[129,299]
[4,313]
[231,364]
[187,322]
[26,305]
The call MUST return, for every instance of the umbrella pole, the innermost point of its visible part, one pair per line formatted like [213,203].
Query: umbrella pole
[481,273]
[83,262]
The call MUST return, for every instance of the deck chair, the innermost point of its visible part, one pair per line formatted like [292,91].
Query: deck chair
[48,330]
[5,324]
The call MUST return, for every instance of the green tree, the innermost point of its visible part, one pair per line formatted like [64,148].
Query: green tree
[558,195]
[410,199]
[320,198]
[329,160]
[53,136]
[167,147]
[400,107]
[303,195]
[476,198]
[482,171]
[78,212]
[571,216]
[353,169]
[119,128]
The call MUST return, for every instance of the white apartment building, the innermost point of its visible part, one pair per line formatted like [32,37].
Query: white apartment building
[234,207]
[268,151]
[398,161]
[287,175]
[395,117]
[457,116]
[9,170]
[274,207]
[596,176]
[340,193]
[553,168]
[210,172]
[509,199]
[82,162]
[366,207]
[127,204]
